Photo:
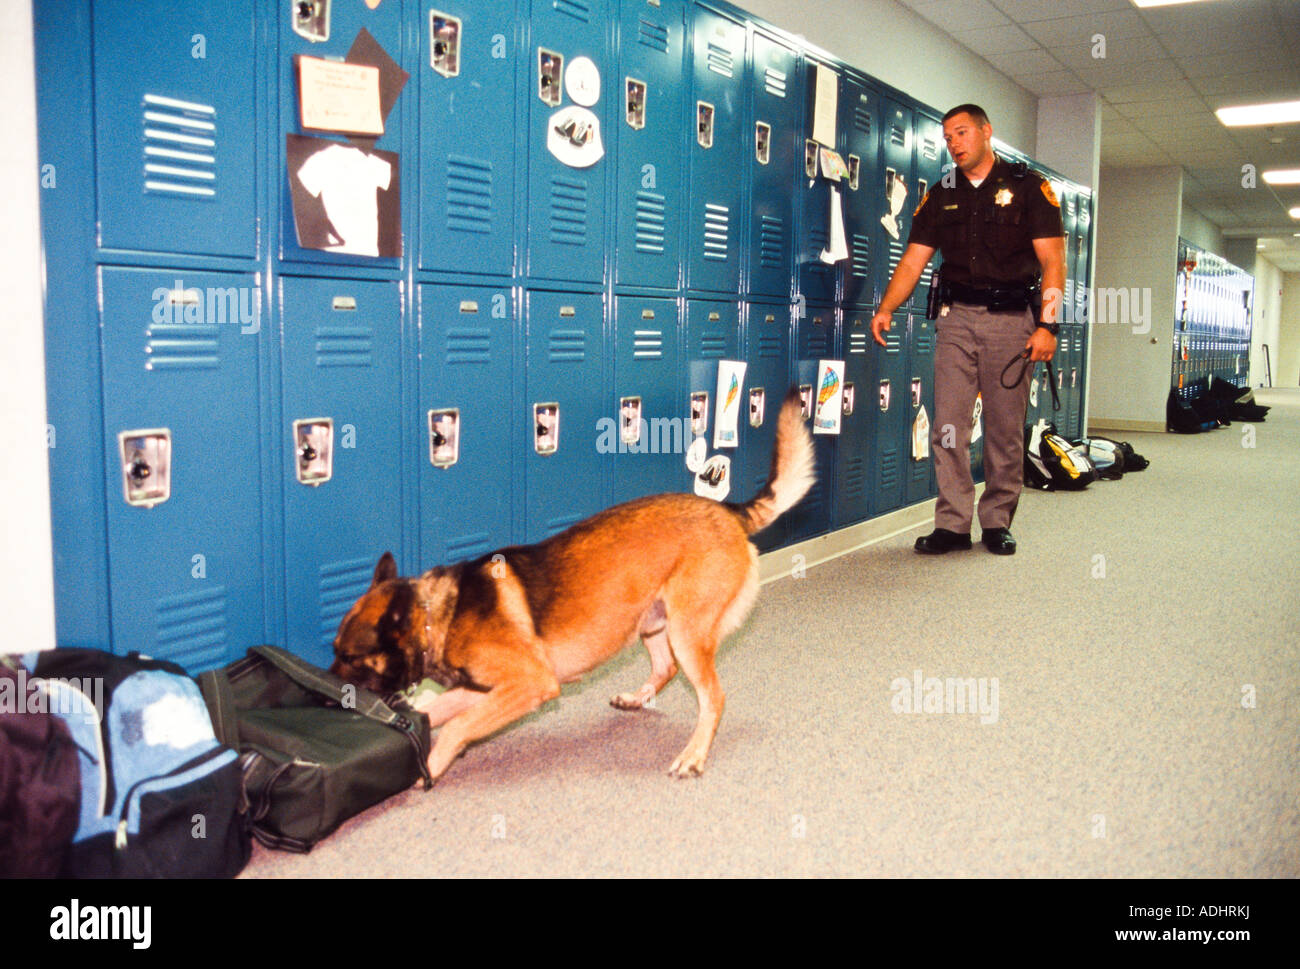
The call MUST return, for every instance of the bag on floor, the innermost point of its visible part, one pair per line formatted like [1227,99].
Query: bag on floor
[1107,456]
[1052,463]
[160,796]
[40,780]
[314,750]
[1181,418]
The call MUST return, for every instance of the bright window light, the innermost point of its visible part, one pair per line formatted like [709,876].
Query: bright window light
[1283,176]
[1281,112]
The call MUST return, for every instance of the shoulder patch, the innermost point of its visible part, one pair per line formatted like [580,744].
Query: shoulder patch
[920,205]
[1047,191]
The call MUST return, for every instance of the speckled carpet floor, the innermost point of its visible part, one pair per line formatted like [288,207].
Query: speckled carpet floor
[1133,710]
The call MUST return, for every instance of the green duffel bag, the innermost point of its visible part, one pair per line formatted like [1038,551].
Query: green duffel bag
[314,750]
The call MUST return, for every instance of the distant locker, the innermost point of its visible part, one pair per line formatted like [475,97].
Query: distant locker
[815,340]
[853,446]
[859,119]
[647,428]
[767,379]
[774,162]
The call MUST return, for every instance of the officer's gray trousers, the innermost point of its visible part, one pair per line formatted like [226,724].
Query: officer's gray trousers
[973,347]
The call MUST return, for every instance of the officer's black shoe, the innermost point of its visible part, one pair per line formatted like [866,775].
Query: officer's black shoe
[999,541]
[941,540]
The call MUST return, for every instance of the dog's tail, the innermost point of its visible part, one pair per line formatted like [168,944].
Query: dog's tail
[794,469]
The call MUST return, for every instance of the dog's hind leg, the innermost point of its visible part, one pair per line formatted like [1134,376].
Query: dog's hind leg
[694,649]
[654,633]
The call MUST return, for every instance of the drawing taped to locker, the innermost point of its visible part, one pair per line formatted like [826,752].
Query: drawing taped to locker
[345,200]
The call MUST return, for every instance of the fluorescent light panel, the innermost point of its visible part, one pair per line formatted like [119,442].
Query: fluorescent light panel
[1280,112]
[1161,3]
[1282,176]
[1295,212]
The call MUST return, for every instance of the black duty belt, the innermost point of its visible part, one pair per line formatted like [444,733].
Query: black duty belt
[1000,298]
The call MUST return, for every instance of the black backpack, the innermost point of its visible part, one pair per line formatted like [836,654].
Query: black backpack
[1052,463]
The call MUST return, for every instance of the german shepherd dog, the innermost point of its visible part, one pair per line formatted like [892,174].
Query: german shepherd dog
[503,631]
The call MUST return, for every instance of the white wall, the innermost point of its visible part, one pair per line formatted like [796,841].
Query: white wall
[1137,224]
[1200,231]
[1286,356]
[1069,136]
[902,48]
[27,569]
[1267,319]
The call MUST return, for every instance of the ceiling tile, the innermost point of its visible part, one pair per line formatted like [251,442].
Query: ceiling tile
[1122,50]
[1106,75]
[1052,84]
[996,40]
[1159,109]
[1025,62]
[1260,59]
[1076,31]
[1023,11]
[1239,84]
[957,16]
[1148,92]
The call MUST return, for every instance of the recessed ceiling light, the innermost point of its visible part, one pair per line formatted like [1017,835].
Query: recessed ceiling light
[1295,212]
[1283,176]
[1161,3]
[1280,112]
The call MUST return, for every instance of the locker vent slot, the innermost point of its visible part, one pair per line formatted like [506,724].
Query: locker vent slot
[889,468]
[181,347]
[858,343]
[713,346]
[862,119]
[648,345]
[775,82]
[190,629]
[654,36]
[469,546]
[771,242]
[574,9]
[925,341]
[895,254]
[568,212]
[819,238]
[930,149]
[855,477]
[923,285]
[818,342]
[721,60]
[1069,290]
[897,135]
[338,346]
[717,223]
[860,252]
[469,194]
[341,584]
[894,338]
[180,139]
[769,346]
[468,345]
[651,210]
[1069,207]
[567,346]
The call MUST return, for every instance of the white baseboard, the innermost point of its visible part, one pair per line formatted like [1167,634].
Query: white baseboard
[1115,424]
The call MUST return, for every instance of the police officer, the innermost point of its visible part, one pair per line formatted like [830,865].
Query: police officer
[998,227]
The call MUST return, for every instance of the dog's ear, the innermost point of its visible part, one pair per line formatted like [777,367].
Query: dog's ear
[385,570]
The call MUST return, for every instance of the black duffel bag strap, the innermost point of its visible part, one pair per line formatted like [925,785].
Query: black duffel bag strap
[215,687]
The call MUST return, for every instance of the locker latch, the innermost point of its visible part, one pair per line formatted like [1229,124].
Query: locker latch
[1074,377]
[313,440]
[916,391]
[444,34]
[847,408]
[762,142]
[629,419]
[550,69]
[444,437]
[546,428]
[311,19]
[700,413]
[855,165]
[757,398]
[704,124]
[805,400]
[886,391]
[635,103]
[810,149]
[146,466]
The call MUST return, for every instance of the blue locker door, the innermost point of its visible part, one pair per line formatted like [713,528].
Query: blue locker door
[889,395]
[896,183]
[920,395]
[650,421]
[647,127]
[1066,195]
[712,333]
[774,160]
[565,398]
[815,340]
[177,138]
[1083,239]
[1076,377]
[566,203]
[767,378]
[816,278]
[341,341]
[931,157]
[859,121]
[852,494]
[718,145]
[186,574]
[352,176]
[463,446]
[468,163]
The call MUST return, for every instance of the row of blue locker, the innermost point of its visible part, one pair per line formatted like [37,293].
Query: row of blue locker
[1213,322]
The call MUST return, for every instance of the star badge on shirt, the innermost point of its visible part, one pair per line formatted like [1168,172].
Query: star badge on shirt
[1003,197]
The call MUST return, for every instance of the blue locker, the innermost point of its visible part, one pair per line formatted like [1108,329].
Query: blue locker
[718,144]
[565,399]
[1066,195]
[897,185]
[650,426]
[176,138]
[920,392]
[345,21]
[815,339]
[852,492]
[767,378]
[712,333]
[467,116]
[462,421]
[816,279]
[567,205]
[649,178]
[889,394]
[1083,240]
[775,159]
[859,120]
[931,160]
[180,355]
[341,349]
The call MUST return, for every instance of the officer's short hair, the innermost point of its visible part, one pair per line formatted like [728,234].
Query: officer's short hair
[974,110]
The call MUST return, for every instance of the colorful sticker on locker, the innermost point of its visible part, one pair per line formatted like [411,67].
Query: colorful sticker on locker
[976,419]
[731,376]
[921,436]
[829,411]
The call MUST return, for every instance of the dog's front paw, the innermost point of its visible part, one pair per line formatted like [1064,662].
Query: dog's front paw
[684,767]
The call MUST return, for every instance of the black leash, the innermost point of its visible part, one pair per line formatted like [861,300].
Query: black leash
[1024,355]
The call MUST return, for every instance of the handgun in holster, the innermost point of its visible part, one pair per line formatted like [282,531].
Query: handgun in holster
[1035,294]
[938,294]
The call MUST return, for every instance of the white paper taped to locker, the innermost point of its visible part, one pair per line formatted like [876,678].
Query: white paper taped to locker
[573,136]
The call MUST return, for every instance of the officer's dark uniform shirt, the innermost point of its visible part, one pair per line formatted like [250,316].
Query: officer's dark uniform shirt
[986,234]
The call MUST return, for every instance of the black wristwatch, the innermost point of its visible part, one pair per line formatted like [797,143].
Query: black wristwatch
[1052,328]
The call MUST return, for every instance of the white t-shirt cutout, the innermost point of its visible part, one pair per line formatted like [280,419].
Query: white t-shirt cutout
[345,179]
